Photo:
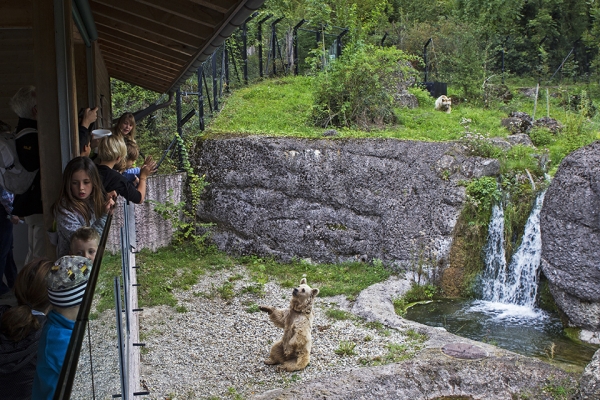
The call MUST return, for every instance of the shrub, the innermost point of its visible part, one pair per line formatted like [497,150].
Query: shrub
[483,192]
[358,89]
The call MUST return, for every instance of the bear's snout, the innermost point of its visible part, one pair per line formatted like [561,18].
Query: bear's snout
[295,291]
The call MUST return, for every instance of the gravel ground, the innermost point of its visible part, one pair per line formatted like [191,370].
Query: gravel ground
[216,348]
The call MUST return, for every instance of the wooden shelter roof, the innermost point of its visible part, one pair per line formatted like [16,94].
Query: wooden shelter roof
[157,44]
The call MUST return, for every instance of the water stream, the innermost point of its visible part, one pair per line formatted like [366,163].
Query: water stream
[506,315]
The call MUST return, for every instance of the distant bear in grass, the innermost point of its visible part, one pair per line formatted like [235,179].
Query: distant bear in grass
[443,103]
[293,350]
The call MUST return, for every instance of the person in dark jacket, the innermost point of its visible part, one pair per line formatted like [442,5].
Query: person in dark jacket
[28,205]
[20,331]
[112,152]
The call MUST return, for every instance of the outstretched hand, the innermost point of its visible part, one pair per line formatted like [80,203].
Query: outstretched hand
[148,168]
[110,202]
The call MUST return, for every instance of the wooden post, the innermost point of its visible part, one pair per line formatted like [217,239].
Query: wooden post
[547,104]
[54,138]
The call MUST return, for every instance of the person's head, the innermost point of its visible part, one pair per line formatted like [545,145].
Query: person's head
[24,103]
[84,242]
[133,152]
[30,291]
[67,281]
[126,126]
[82,189]
[85,145]
[112,148]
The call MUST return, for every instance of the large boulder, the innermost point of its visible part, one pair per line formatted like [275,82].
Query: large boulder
[335,200]
[570,225]
[590,379]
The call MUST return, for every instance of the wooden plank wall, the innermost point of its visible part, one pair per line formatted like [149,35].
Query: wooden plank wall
[103,97]
[16,67]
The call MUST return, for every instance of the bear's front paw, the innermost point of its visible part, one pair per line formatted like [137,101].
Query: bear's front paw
[267,309]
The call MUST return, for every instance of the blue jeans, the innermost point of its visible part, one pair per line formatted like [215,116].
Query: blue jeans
[8,268]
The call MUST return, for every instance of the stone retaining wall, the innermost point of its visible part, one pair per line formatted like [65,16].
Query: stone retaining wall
[335,200]
[152,231]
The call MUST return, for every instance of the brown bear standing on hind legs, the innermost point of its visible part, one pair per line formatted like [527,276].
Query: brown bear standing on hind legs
[293,349]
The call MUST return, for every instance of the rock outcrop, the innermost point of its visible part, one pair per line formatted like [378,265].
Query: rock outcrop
[570,225]
[335,200]
[590,380]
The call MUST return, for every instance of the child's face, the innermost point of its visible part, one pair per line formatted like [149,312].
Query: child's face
[81,185]
[129,164]
[84,249]
[125,127]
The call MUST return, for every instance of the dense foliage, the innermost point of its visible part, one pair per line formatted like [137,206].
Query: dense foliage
[358,89]
[471,39]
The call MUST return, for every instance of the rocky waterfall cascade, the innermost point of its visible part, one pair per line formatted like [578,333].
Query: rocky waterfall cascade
[517,282]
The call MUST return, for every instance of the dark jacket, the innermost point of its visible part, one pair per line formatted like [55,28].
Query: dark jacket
[28,150]
[113,180]
[17,363]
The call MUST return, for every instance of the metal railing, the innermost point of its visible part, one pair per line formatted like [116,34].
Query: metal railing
[126,317]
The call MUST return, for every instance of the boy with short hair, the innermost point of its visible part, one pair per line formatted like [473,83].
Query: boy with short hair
[133,152]
[85,143]
[84,243]
[66,284]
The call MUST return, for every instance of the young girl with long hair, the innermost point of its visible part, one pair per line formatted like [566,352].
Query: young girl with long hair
[125,127]
[20,330]
[81,202]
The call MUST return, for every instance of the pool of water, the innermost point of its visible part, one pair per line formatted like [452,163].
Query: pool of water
[527,331]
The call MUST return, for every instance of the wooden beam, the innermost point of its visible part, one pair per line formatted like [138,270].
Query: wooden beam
[149,36]
[108,43]
[47,92]
[151,85]
[126,13]
[125,39]
[141,68]
[136,58]
[159,17]
[222,6]
[136,74]
[185,9]
[15,14]
[24,55]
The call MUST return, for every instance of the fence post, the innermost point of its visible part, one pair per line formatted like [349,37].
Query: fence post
[179,126]
[338,49]
[200,75]
[215,86]
[260,49]
[295,39]
[245,45]
[225,59]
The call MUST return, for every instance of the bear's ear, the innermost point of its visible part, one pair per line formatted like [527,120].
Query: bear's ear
[315,292]
[303,281]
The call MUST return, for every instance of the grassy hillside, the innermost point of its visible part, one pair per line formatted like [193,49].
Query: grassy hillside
[283,107]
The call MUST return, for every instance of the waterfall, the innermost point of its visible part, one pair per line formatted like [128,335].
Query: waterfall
[516,283]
